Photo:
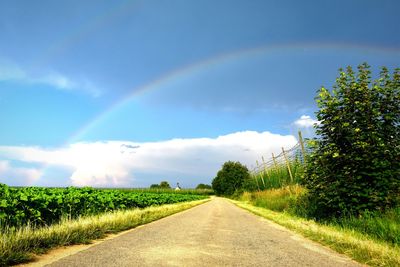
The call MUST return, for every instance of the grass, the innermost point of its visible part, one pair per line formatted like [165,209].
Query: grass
[380,226]
[354,244]
[277,176]
[278,199]
[18,246]
[373,238]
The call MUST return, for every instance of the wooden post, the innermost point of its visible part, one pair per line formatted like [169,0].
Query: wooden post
[275,164]
[257,175]
[303,151]
[265,166]
[262,176]
[287,164]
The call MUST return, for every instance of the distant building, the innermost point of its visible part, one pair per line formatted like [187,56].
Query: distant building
[177,188]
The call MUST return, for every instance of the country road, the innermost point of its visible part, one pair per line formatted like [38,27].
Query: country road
[216,233]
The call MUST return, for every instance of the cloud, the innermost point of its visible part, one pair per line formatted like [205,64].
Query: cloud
[14,73]
[18,176]
[305,121]
[116,163]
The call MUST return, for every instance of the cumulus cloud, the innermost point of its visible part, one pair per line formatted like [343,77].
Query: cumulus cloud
[305,121]
[18,176]
[114,163]
[12,72]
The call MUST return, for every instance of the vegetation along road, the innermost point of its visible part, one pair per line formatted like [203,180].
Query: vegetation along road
[216,233]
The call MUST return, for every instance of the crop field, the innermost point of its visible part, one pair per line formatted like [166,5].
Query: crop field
[37,206]
[166,190]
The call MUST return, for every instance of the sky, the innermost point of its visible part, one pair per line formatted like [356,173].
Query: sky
[130,93]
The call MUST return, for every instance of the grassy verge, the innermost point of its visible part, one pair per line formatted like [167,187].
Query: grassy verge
[356,245]
[21,245]
[277,199]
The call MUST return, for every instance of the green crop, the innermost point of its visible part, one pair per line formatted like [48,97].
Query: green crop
[44,206]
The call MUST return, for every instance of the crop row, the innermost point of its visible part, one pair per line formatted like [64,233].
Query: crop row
[44,206]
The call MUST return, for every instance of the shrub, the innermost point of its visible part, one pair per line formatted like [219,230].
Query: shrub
[355,165]
[164,184]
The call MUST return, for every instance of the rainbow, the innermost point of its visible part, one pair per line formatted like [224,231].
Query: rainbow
[221,59]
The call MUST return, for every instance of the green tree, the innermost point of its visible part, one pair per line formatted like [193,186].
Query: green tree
[230,178]
[155,186]
[203,186]
[164,184]
[356,162]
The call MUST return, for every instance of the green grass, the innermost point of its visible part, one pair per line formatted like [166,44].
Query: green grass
[380,226]
[355,244]
[374,230]
[278,199]
[278,176]
[21,245]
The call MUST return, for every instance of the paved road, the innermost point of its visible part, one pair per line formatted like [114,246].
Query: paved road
[213,234]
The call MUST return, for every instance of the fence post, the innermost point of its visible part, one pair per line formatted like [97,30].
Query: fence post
[275,164]
[287,164]
[303,151]
[255,176]
[265,166]
[262,176]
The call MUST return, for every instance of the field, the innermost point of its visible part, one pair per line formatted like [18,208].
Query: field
[35,219]
[38,206]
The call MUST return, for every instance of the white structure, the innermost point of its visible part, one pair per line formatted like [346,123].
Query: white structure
[177,188]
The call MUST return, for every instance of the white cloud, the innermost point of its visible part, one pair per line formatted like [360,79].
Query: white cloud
[18,176]
[114,163]
[305,121]
[13,72]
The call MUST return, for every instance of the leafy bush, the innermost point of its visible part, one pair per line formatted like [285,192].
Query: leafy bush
[356,162]
[230,178]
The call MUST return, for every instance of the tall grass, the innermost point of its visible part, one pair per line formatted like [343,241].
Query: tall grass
[380,226]
[356,245]
[284,169]
[277,175]
[279,199]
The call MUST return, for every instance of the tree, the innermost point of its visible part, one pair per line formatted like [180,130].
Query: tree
[155,186]
[203,186]
[164,184]
[355,165]
[230,178]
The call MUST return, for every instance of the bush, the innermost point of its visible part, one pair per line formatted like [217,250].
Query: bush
[230,178]
[203,186]
[162,185]
[355,165]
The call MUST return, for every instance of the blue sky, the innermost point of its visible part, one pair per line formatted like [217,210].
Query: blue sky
[88,77]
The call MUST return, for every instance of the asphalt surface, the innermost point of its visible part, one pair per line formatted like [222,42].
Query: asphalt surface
[216,233]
